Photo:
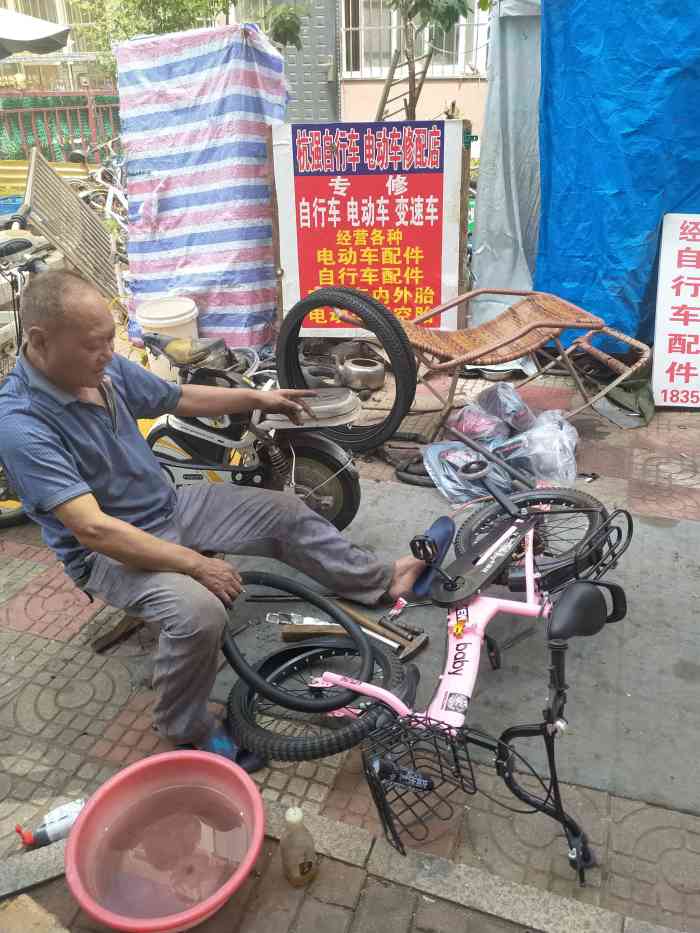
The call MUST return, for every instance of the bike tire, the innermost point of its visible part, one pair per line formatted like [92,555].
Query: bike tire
[380,321]
[251,676]
[242,706]
[348,486]
[482,521]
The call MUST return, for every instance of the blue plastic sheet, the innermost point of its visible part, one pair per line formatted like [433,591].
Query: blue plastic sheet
[619,148]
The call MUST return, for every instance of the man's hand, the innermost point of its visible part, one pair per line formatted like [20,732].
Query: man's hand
[220,578]
[289,402]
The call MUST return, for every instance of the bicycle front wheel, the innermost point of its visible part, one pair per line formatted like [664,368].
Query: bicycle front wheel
[309,701]
[282,734]
[569,518]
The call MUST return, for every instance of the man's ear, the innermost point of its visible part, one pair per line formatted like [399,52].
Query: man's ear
[36,337]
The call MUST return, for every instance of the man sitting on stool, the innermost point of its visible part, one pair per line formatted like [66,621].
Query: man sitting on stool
[70,443]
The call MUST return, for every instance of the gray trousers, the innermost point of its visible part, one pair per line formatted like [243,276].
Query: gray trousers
[191,619]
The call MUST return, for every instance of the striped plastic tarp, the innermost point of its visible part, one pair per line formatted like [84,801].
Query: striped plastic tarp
[195,108]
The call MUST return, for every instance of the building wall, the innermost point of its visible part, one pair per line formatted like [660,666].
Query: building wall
[360,99]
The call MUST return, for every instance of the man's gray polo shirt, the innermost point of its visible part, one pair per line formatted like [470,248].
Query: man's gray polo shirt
[55,448]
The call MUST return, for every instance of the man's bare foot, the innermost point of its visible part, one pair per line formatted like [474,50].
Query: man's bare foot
[406,572]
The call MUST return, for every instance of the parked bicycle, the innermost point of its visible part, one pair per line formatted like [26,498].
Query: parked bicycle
[104,189]
[247,451]
[20,256]
[552,546]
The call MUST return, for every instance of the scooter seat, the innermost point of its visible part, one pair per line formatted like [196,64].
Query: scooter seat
[184,351]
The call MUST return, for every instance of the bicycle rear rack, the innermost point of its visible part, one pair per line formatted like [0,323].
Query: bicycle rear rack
[602,551]
[591,560]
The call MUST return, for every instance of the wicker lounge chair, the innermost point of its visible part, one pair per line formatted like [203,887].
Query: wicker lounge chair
[526,326]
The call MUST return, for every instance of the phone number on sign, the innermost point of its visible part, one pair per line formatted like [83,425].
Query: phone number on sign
[681,396]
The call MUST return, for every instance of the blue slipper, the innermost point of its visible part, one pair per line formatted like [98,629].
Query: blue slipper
[220,742]
[442,532]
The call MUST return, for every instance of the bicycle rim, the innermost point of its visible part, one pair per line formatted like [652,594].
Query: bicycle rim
[283,734]
[300,672]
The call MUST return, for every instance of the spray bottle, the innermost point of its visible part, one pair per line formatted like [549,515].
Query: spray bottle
[55,825]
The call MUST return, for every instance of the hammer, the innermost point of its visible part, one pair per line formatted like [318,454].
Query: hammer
[407,647]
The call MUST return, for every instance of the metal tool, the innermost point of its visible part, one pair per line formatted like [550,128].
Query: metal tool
[407,647]
[295,626]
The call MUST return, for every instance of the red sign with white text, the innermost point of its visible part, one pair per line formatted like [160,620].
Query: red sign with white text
[369,213]
[676,376]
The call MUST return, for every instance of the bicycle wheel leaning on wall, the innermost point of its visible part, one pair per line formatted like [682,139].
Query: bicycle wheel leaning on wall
[308,362]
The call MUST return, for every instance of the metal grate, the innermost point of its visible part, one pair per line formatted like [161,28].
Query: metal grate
[418,772]
[57,213]
[372,34]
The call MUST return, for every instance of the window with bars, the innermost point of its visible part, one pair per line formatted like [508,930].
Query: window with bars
[372,33]
[43,9]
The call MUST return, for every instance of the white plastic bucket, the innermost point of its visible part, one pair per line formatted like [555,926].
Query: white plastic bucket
[174,317]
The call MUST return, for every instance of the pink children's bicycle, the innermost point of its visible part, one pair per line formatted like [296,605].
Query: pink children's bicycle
[552,547]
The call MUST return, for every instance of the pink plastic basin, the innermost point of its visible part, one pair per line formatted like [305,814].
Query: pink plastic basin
[163,844]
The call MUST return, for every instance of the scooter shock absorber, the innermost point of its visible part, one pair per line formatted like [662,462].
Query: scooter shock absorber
[278,461]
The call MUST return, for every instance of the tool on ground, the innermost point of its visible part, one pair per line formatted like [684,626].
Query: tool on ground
[407,647]
[388,620]
[239,629]
[295,627]
[266,598]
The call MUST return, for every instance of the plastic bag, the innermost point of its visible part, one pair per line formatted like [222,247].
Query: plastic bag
[478,424]
[503,401]
[444,461]
[547,450]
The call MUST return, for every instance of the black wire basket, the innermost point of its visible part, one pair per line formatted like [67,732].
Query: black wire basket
[418,771]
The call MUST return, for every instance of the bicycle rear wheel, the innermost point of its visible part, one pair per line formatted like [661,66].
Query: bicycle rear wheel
[377,423]
[569,518]
[281,734]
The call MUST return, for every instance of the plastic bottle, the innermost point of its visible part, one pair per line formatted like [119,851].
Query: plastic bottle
[299,858]
[55,825]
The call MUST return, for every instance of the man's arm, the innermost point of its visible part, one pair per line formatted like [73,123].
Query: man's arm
[129,545]
[213,400]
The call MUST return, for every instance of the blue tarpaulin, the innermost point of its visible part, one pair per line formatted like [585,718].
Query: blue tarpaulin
[619,148]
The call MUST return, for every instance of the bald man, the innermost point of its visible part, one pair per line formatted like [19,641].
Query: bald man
[70,444]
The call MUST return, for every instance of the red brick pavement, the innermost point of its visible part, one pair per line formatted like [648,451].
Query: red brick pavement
[49,605]
[14,548]
[131,737]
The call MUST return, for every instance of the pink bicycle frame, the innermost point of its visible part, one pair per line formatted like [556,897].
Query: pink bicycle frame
[466,630]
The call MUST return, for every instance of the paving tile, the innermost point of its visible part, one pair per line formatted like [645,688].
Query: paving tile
[51,606]
[323,918]
[56,899]
[384,908]
[440,916]
[338,883]
[274,904]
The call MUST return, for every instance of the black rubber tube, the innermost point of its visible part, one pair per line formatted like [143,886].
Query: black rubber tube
[252,677]
[279,747]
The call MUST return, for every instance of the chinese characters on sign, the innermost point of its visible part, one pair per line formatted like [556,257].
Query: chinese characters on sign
[368,200]
[677,340]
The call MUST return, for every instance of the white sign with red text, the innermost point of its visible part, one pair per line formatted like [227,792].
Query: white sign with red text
[676,376]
